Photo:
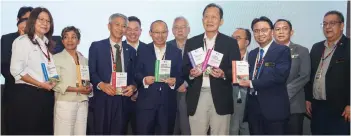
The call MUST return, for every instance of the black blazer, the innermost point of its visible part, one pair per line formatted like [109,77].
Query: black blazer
[6,53]
[337,77]
[221,89]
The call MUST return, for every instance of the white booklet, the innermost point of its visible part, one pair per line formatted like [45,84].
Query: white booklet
[240,71]
[215,59]
[196,57]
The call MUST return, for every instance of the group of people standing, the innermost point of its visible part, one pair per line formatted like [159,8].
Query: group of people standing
[51,90]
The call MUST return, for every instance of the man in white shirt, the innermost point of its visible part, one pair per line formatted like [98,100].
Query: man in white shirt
[210,94]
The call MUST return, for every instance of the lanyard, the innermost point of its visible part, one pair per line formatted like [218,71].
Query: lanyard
[77,63]
[258,66]
[206,45]
[324,58]
[47,51]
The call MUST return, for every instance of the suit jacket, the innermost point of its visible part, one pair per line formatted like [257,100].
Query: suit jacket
[6,53]
[100,64]
[58,44]
[221,89]
[158,92]
[174,43]
[140,44]
[298,77]
[337,77]
[271,85]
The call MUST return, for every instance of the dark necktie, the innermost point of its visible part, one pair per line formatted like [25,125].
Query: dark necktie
[118,58]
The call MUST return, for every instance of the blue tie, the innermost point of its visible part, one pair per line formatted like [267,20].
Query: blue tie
[259,63]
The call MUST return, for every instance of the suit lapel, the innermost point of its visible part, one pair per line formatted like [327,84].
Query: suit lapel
[267,56]
[292,47]
[107,49]
[125,55]
[168,52]
[338,53]
[153,53]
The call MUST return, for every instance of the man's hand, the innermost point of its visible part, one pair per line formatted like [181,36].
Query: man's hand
[217,73]
[134,97]
[84,90]
[129,90]
[182,88]
[195,72]
[245,83]
[309,108]
[346,113]
[170,81]
[149,80]
[108,89]
[47,85]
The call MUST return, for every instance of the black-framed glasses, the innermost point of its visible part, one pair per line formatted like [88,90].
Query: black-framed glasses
[331,23]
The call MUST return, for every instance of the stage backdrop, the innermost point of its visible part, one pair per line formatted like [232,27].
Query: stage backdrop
[91,17]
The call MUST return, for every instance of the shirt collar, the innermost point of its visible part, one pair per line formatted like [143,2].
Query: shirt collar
[213,38]
[114,43]
[45,40]
[336,42]
[265,49]
[288,44]
[136,46]
[158,49]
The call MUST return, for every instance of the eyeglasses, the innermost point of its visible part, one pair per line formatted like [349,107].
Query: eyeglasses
[160,33]
[42,20]
[331,24]
[239,38]
[263,30]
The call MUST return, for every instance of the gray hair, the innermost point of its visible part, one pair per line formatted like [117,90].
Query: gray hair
[181,18]
[116,15]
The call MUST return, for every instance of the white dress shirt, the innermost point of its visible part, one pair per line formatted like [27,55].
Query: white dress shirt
[114,53]
[210,43]
[27,58]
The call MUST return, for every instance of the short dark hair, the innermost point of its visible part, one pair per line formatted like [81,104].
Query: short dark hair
[158,21]
[335,12]
[134,18]
[30,27]
[216,6]
[23,10]
[262,19]
[247,32]
[284,20]
[68,29]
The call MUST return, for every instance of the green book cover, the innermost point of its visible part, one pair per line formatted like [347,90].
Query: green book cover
[162,70]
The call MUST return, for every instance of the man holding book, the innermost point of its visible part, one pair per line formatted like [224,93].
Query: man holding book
[209,96]
[158,73]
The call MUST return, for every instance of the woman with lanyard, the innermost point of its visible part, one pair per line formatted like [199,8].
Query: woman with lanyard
[32,100]
[71,103]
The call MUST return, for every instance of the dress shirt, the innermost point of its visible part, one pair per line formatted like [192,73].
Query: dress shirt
[27,58]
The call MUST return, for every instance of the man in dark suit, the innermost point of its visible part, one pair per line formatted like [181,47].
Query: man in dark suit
[209,95]
[58,44]
[133,33]
[268,100]
[105,57]
[180,31]
[328,92]
[156,103]
[298,77]
[6,53]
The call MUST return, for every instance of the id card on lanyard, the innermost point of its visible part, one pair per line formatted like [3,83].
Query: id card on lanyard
[320,71]
[49,68]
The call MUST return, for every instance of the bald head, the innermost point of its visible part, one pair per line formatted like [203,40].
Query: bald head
[159,33]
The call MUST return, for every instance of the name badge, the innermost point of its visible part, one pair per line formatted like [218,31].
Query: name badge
[269,64]
[294,56]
